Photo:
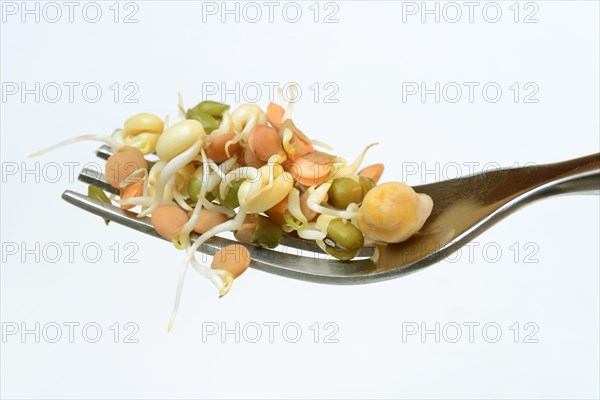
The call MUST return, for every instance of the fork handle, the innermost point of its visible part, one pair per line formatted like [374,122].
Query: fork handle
[580,175]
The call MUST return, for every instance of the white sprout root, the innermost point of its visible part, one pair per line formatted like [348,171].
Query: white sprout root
[178,197]
[224,168]
[238,173]
[132,178]
[351,169]
[311,233]
[113,143]
[275,159]
[218,278]
[321,144]
[209,182]
[290,105]
[168,172]
[191,224]
[294,206]
[180,106]
[224,127]
[239,137]
[144,201]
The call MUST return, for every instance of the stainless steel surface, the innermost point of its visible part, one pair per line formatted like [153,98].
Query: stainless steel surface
[287,261]
[463,208]
[93,177]
[104,152]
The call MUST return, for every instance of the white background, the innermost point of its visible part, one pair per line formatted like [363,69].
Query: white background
[368,53]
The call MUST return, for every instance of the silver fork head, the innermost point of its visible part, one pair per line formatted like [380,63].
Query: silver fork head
[463,208]
[288,261]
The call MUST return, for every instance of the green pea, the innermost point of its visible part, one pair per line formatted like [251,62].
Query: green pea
[367,184]
[344,191]
[267,234]
[193,189]
[344,240]
[212,108]
[231,194]
[209,123]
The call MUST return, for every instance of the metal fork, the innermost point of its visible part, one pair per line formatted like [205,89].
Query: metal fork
[463,208]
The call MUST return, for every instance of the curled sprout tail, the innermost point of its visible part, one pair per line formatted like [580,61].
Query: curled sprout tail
[239,137]
[290,105]
[219,278]
[351,169]
[180,243]
[321,144]
[286,136]
[293,224]
[227,278]
[224,128]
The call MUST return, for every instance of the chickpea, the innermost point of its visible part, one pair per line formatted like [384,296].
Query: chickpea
[392,212]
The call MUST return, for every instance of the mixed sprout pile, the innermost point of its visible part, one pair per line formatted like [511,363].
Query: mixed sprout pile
[253,173]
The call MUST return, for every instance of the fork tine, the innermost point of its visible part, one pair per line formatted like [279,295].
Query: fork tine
[281,263]
[119,215]
[95,178]
[104,152]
